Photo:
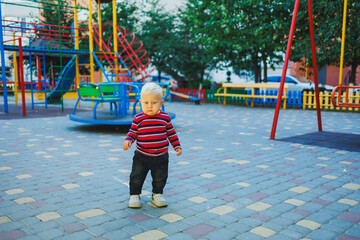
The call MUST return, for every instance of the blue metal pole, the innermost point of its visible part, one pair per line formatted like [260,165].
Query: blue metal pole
[44,69]
[31,78]
[3,69]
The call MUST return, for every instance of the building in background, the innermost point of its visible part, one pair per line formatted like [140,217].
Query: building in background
[326,75]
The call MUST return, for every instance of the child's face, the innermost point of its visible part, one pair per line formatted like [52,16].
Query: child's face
[151,103]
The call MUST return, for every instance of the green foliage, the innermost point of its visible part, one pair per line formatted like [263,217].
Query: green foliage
[256,32]
[193,54]
[236,33]
[328,16]
[207,84]
[126,13]
[158,36]
[59,15]
[8,71]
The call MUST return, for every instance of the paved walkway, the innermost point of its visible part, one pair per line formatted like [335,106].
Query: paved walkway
[64,180]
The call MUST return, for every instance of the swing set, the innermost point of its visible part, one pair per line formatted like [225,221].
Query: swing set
[340,96]
[338,99]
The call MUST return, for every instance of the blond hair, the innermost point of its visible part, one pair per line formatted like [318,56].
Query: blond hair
[152,88]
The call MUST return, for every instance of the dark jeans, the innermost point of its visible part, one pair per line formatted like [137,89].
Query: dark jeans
[142,164]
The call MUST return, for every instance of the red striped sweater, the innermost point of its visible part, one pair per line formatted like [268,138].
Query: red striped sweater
[153,134]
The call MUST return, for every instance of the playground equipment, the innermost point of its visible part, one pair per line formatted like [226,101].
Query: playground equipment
[342,100]
[44,41]
[255,93]
[338,98]
[193,96]
[287,55]
[123,52]
[119,95]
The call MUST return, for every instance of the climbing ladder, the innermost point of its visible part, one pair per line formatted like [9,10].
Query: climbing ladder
[128,64]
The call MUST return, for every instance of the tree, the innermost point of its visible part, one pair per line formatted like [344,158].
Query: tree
[252,32]
[55,12]
[157,35]
[328,17]
[127,17]
[126,13]
[240,34]
[193,53]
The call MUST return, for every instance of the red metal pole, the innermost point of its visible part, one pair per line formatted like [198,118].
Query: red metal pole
[22,78]
[313,54]
[287,56]
[18,70]
[38,66]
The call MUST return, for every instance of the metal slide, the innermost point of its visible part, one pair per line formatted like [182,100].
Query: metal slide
[66,78]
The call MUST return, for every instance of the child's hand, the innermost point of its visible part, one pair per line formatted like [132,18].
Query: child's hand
[126,145]
[179,151]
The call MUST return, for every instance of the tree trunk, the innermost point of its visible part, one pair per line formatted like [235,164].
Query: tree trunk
[265,69]
[255,65]
[259,69]
[159,76]
[352,79]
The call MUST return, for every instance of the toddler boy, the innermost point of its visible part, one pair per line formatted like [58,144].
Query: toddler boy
[152,129]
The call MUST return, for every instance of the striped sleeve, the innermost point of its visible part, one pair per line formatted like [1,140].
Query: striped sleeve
[173,138]
[133,132]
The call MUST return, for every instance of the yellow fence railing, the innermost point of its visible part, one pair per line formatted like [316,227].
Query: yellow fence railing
[325,101]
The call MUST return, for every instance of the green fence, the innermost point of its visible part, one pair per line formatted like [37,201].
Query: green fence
[210,98]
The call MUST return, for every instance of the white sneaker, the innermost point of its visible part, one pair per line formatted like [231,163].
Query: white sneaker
[158,200]
[134,201]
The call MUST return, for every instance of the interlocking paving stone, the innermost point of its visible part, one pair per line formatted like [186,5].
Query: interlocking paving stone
[51,189]
[73,227]
[37,204]
[70,186]
[48,216]
[90,213]
[200,230]
[263,231]
[52,233]
[151,235]
[4,220]
[222,210]
[258,196]
[139,217]
[347,237]
[261,217]
[259,206]
[352,186]
[348,201]
[171,217]
[233,164]
[295,202]
[299,189]
[12,235]
[350,217]
[309,224]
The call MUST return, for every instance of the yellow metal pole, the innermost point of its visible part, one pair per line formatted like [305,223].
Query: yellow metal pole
[77,77]
[16,77]
[100,34]
[91,43]
[115,35]
[77,68]
[342,43]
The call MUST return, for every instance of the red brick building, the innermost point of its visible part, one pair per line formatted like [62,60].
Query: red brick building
[327,75]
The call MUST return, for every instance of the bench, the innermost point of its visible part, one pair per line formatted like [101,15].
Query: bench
[253,95]
[196,97]
[101,93]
